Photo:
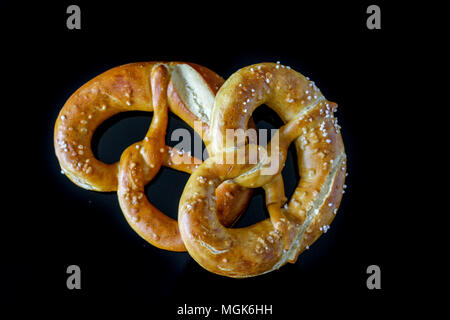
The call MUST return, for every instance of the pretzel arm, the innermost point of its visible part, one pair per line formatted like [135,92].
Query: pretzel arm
[180,160]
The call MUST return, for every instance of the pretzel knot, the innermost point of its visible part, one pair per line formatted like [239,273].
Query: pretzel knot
[187,90]
[293,226]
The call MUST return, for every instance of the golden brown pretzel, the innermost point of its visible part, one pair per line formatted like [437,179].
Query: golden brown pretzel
[187,90]
[292,227]
[121,89]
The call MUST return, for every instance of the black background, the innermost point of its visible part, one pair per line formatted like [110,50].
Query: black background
[50,223]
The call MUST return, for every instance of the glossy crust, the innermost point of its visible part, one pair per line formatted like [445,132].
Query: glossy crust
[126,88]
[293,226]
[121,89]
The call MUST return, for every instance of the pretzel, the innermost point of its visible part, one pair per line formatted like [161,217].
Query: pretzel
[293,226]
[187,90]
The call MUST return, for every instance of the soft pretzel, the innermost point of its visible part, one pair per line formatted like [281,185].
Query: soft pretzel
[293,226]
[121,89]
[187,90]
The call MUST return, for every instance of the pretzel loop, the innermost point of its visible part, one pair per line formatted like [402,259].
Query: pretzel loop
[139,163]
[188,90]
[309,122]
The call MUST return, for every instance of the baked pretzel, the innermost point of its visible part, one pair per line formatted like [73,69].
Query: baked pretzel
[293,226]
[187,90]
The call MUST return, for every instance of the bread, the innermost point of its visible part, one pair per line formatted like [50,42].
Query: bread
[188,90]
[293,226]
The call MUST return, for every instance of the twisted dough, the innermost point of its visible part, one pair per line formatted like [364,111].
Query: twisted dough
[121,89]
[292,227]
[187,90]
